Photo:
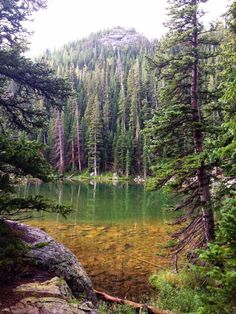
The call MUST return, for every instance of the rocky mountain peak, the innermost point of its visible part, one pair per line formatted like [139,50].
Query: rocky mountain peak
[120,36]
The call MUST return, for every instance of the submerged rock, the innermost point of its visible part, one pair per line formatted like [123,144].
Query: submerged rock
[47,254]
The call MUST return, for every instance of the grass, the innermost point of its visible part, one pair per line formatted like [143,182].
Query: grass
[181,293]
[104,308]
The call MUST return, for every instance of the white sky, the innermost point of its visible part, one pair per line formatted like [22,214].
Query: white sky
[67,20]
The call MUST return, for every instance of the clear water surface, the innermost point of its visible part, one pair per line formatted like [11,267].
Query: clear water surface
[118,232]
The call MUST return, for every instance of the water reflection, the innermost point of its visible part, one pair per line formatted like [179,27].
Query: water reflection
[117,232]
[99,203]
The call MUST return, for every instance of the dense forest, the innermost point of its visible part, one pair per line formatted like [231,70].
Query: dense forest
[163,110]
[100,128]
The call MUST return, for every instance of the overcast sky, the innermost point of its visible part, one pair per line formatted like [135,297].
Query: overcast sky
[67,20]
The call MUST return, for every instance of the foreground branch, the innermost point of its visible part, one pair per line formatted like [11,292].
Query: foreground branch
[137,306]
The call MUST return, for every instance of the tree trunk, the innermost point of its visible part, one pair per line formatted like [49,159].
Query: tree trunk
[203,179]
[78,137]
[72,155]
[95,156]
[59,146]
[119,67]
[145,170]
[138,156]
[137,306]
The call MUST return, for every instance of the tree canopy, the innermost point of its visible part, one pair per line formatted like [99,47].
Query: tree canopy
[23,84]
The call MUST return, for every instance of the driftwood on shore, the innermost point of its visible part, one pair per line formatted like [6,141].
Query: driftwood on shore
[137,306]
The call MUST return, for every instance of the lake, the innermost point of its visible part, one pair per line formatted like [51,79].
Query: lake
[118,232]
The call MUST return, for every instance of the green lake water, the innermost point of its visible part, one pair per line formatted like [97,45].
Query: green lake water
[118,232]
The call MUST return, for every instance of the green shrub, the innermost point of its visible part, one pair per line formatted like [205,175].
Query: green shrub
[180,292]
[11,250]
[211,287]
[220,264]
[104,308]
[191,278]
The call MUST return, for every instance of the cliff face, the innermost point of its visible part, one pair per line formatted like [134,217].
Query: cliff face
[119,36]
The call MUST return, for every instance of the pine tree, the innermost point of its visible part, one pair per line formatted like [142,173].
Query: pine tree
[226,141]
[179,128]
[106,71]
[77,118]
[58,144]
[27,90]
[120,143]
[95,137]
[107,128]
[134,91]
[72,159]
[219,258]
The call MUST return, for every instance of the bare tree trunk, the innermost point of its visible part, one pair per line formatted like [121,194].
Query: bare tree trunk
[44,138]
[203,179]
[145,170]
[119,67]
[72,155]
[95,156]
[59,143]
[78,137]
[155,94]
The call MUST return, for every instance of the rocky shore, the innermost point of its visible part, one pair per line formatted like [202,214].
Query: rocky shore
[50,279]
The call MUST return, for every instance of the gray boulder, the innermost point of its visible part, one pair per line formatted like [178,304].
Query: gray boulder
[47,254]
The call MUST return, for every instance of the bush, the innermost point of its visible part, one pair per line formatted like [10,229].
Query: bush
[220,264]
[11,250]
[180,292]
[191,278]
[211,287]
[104,308]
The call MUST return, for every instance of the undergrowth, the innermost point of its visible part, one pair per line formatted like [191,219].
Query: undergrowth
[11,249]
[181,293]
[105,308]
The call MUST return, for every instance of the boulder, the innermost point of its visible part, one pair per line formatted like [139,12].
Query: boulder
[49,255]
[49,297]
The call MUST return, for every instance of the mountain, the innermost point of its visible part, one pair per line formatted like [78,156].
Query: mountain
[101,126]
[120,37]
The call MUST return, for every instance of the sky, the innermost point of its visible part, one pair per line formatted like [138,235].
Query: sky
[67,20]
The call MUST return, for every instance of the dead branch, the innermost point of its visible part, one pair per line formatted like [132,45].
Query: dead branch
[195,221]
[137,306]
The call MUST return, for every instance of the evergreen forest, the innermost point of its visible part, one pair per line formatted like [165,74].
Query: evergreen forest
[162,111]
[101,125]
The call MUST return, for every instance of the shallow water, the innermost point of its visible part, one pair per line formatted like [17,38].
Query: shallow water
[117,232]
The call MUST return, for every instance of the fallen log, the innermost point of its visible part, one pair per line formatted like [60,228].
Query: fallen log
[137,306]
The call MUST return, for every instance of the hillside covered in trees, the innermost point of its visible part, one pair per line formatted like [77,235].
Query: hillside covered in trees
[100,128]
[164,109]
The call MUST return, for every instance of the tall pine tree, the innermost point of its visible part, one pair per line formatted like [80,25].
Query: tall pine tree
[179,129]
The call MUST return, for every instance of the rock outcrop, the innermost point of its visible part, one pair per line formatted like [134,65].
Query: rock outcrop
[46,254]
[120,36]
[49,297]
